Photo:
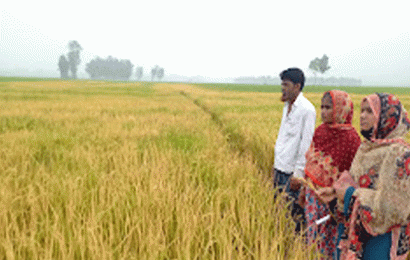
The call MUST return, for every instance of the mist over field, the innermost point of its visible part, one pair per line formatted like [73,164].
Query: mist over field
[149,154]
[30,51]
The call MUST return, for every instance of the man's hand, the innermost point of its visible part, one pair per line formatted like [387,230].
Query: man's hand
[294,183]
[273,174]
[301,197]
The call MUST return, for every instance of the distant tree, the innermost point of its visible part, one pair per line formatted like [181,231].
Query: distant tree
[264,80]
[324,64]
[74,57]
[160,73]
[154,71]
[314,66]
[109,68]
[139,72]
[125,69]
[94,68]
[63,66]
[268,80]
[319,65]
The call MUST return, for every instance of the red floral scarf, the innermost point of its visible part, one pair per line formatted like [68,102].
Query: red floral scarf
[333,145]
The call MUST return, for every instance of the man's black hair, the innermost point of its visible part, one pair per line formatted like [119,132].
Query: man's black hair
[295,75]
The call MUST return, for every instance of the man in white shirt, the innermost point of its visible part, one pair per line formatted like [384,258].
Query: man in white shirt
[295,135]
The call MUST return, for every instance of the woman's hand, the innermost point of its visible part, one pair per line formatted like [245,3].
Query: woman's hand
[326,194]
[340,189]
[342,184]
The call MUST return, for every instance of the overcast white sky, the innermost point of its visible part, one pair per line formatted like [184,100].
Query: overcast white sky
[369,40]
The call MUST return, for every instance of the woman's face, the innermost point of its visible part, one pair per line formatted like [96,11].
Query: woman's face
[367,118]
[327,109]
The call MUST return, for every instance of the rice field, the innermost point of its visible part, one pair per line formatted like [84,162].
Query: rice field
[117,170]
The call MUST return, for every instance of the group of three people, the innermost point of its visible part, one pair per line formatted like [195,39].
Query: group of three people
[363,186]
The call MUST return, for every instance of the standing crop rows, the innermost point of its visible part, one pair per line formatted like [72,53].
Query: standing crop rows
[94,170]
[98,170]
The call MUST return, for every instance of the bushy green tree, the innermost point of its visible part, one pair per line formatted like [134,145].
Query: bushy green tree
[319,65]
[109,68]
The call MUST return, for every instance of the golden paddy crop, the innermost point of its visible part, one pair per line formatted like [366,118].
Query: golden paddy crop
[99,170]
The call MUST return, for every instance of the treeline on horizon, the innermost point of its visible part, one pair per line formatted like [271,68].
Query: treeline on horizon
[320,81]
[110,68]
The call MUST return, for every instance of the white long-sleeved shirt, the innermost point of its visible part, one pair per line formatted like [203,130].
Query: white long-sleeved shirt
[295,135]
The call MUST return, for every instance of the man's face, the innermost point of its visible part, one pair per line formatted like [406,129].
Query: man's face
[290,90]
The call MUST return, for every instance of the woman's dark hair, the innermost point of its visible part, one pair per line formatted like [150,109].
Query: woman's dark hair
[327,95]
[295,75]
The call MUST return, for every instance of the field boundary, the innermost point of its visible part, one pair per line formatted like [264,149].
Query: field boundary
[308,88]
[259,152]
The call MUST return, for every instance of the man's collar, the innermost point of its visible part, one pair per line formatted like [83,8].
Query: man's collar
[298,99]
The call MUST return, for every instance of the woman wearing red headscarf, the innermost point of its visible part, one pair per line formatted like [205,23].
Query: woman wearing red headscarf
[332,150]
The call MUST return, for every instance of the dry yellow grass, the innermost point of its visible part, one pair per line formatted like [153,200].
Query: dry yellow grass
[98,170]
[128,171]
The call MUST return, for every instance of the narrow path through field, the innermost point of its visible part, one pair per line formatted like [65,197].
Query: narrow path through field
[236,139]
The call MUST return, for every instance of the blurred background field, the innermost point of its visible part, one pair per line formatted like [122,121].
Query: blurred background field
[121,170]
[319,88]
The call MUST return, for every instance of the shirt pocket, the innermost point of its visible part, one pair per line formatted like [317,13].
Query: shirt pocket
[291,128]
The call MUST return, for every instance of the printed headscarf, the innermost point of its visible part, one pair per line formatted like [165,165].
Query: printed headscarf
[342,108]
[381,168]
[333,145]
[389,112]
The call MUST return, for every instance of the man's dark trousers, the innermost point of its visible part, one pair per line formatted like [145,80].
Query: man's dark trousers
[281,180]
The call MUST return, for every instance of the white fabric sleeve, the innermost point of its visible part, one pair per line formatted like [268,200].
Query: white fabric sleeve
[308,128]
[299,173]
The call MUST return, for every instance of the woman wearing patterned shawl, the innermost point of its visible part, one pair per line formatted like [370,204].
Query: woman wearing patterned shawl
[376,194]
[332,150]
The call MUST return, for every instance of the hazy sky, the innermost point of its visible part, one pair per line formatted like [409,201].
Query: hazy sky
[369,40]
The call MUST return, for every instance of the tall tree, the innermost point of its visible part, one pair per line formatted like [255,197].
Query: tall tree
[63,66]
[74,57]
[314,66]
[160,73]
[139,72]
[154,71]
